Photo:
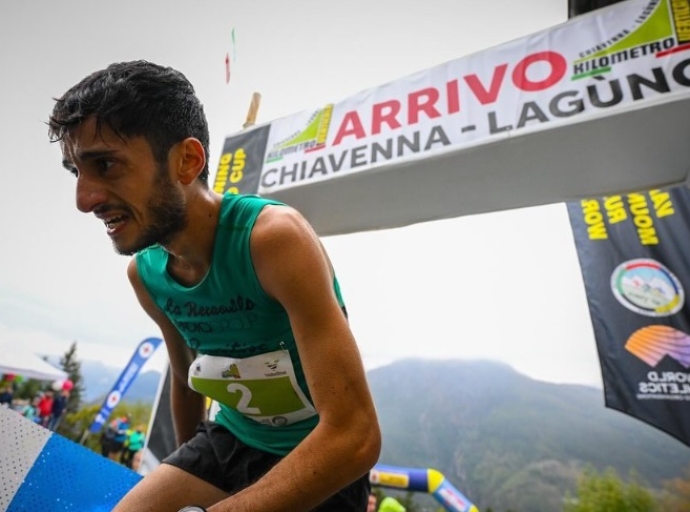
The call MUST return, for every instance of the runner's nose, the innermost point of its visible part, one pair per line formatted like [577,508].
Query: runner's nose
[89,193]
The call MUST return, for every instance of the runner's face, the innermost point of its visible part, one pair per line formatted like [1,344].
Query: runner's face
[123,185]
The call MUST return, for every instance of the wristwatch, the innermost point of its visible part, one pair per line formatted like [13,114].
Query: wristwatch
[193,508]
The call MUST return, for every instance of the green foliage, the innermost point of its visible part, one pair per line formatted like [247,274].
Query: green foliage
[378,492]
[409,503]
[75,425]
[28,389]
[676,494]
[606,492]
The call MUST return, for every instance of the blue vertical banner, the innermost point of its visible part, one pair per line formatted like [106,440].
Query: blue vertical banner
[635,260]
[143,352]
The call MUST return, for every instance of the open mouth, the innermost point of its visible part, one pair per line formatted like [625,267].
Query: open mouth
[115,222]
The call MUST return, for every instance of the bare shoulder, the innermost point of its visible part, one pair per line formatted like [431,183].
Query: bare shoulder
[285,248]
[281,234]
[133,273]
[279,223]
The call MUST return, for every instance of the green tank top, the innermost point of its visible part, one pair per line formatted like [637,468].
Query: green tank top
[243,335]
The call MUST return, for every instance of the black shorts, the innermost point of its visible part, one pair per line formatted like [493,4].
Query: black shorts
[116,446]
[216,456]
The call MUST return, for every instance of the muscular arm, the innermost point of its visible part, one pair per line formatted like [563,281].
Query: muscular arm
[187,406]
[293,268]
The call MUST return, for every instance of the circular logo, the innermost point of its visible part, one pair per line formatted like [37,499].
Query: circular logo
[113,398]
[646,287]
[279,421]
[146,349]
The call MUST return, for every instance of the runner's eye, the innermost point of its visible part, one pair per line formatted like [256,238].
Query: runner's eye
[103,165]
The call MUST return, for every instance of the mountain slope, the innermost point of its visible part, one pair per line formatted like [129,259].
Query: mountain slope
[506,440]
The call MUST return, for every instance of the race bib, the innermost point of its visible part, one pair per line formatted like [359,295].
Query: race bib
[263,388]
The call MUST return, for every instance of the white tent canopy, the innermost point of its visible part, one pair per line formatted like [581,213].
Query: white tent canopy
[17,361]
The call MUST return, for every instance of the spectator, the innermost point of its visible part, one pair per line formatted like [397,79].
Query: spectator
[6,395]
[31,410]
[136,460]
[371,505]
[107,438]
[58,409]
[134,444]
[118,443]
[45,407]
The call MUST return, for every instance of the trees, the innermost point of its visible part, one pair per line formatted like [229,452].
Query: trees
[606,492]
[676,495]
[71,365]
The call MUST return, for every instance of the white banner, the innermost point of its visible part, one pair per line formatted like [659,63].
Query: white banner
[630,56]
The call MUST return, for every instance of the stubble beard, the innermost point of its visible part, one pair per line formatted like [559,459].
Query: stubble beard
[166,216]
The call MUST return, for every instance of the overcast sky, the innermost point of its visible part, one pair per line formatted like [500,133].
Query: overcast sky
[504,286]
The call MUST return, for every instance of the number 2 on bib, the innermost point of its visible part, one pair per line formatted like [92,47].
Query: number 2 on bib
[245,398]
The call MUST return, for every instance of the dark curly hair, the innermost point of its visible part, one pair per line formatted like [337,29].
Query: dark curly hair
[135,99]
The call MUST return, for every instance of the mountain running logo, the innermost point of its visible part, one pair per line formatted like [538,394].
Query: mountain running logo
[312,138]
[663,27]
[646,287]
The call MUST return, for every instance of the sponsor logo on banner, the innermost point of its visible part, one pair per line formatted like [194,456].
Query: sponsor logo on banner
[647,287]
[451,498]
[632,255]
[662,27]
[652,343]
[311,138]
[590,64]
[389,479]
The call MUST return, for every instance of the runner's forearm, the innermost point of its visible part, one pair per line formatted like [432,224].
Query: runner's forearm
[327,460]
[188,409]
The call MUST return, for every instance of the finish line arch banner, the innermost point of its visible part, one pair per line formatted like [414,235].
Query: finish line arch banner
[634,253]
[526,123]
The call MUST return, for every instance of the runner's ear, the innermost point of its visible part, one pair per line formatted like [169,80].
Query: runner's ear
[188,159]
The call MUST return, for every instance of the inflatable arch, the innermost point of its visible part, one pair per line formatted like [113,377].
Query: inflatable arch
[422,480]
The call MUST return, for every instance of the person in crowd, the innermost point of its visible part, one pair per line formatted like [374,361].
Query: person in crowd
[6,395]
[107,438]
[137,459]
[371,505]
[58,409]
[118,443]
[245,296]
[135,443]
[31,410]
[45,407]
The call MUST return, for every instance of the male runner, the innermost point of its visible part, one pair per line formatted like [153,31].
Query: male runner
[245,297]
